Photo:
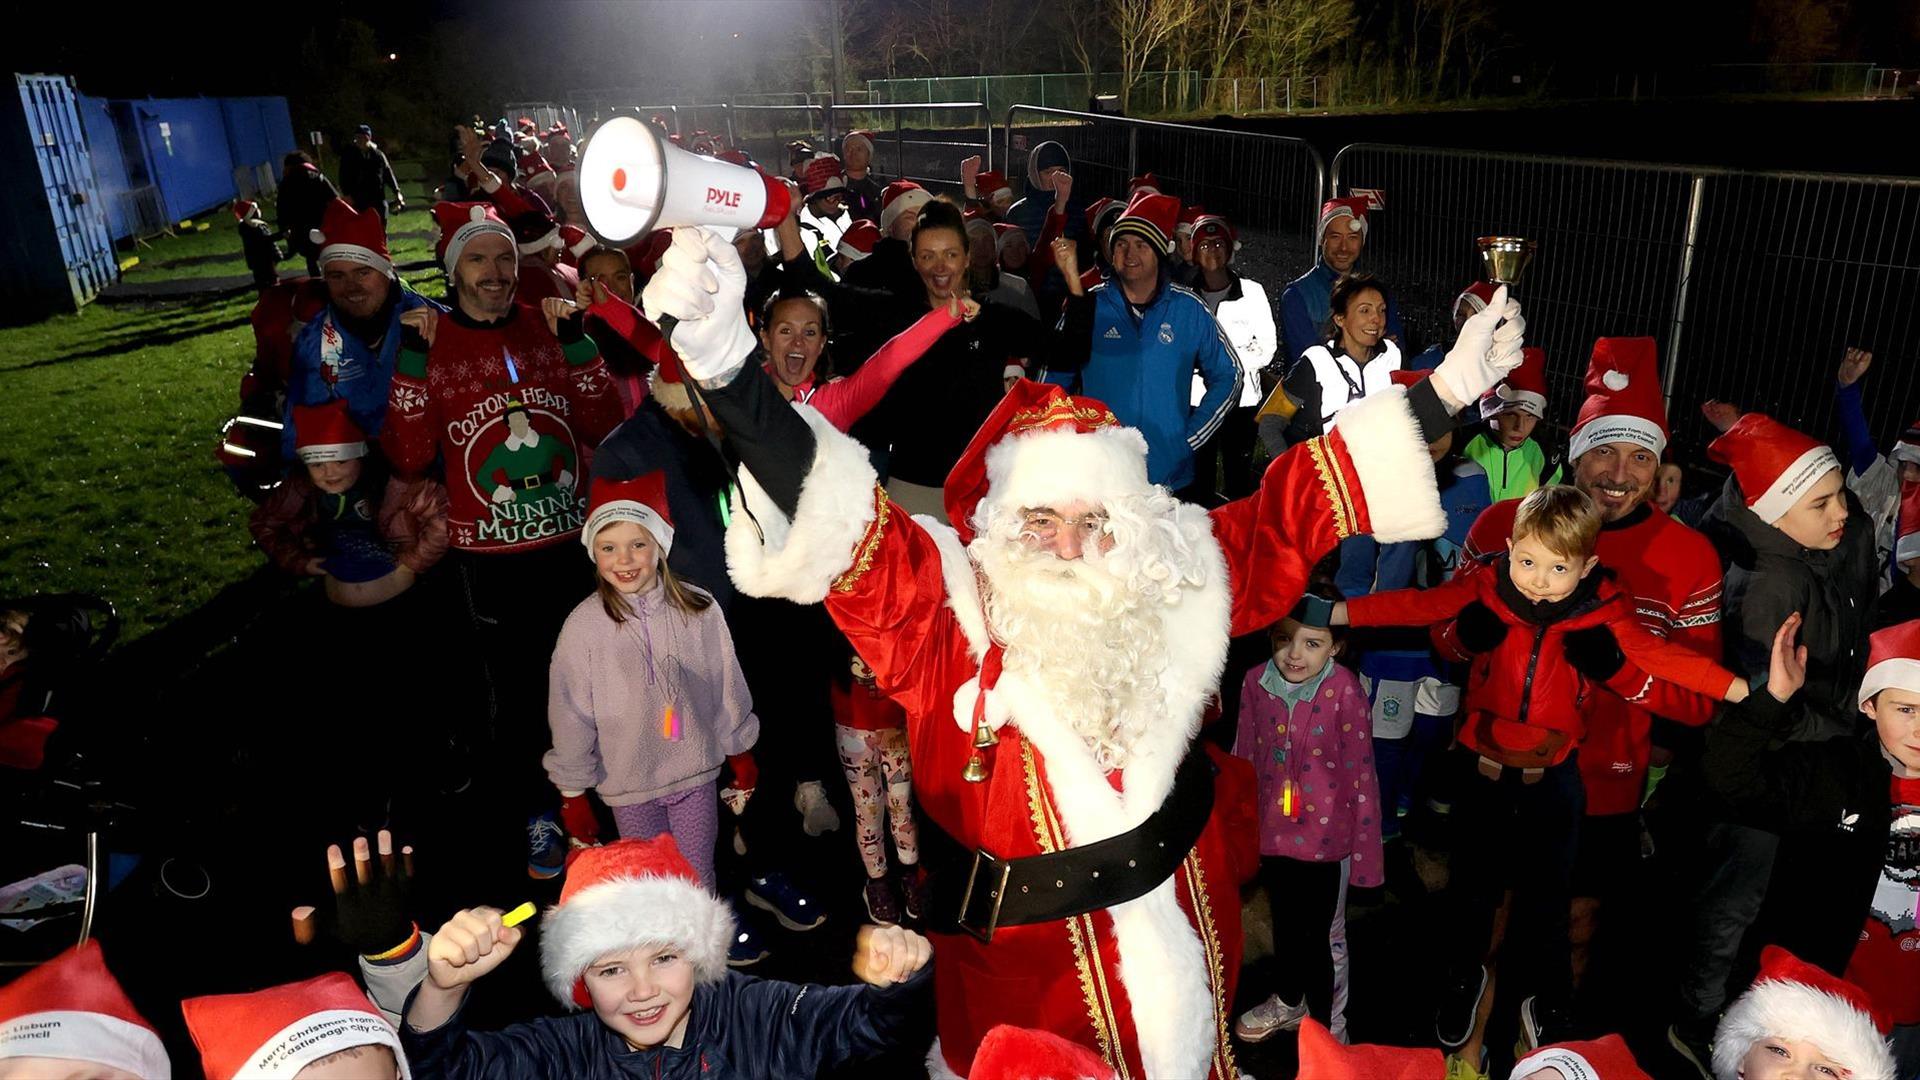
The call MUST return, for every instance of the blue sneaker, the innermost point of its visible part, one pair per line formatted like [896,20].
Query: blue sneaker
[546,847]
[773,893]
[747,947]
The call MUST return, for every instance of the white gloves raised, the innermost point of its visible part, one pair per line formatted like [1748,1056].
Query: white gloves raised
[701,283]
[1482,355]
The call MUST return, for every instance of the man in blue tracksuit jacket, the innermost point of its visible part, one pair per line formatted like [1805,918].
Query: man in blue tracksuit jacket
[1305,301]
[1135,342]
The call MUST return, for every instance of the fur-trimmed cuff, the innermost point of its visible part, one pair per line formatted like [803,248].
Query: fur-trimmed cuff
[800,559]
[1398,494]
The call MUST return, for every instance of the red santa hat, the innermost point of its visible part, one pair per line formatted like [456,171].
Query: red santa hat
[1101,212]
[989,183]
[624,895]
[1150,216]
[666,382]
[526,123]
[326,432]
[535,232]
[862,137]
[1472,300]
[1144,182]
[576,241]
[1907,446]
[71,1009]
[1624,403]
[1041,447]
[277,1032]
[1003,234]
[901,197]
[1015,1053]
[738,157]
[1353,208]
[355,236]
[1523,390]
[1215,223]
[1189,217]
[1605,1058]
[1893,660]
[460,222]
[823,176]
[1322,1057]
[1774,463]
[1906,543]
[857,242]
[641,500]
[1791,999]
[244,209]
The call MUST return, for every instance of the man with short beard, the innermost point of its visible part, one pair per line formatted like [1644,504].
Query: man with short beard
[348,352]
[1673,574]
[1054,651]
[1304,303]
[505,398]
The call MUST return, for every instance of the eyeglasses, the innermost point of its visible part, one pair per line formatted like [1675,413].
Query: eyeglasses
[1044,525]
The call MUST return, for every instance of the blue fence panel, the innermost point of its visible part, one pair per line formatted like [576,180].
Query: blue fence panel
[185,144]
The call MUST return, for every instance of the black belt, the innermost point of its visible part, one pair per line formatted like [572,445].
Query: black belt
[528,483]
[984,893]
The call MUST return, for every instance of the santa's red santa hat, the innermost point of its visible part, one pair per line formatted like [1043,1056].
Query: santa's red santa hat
[1893,660]
[460,222]
[575,243]
[277,1032]
[901,197]
[1791,999]
[355,236]
[1774,463]
[326,432]
[1150,216]
[1144,182]
[857,242]
[641,500]
[990,183]
[1624,403]
[71,1009]
[1352,209]
[1605,1058]
[1473,300]
[1322,1057]
[1043,447]
[625,895]
[1523,390]
[1101,214]
[1013,1053]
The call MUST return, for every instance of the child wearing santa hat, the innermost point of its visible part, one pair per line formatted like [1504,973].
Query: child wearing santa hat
[1514,462]
[321,1029]
[641,946]
[1847,811]
[646,700]
[1797,1020]
[69,1017]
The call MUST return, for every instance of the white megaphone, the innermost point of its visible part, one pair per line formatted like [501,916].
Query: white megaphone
[633,181]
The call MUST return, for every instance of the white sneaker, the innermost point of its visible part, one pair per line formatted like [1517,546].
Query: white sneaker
[818,815]
[1272,1015]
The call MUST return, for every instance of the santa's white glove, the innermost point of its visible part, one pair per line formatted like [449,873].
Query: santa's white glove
[701,282]
[1482,355]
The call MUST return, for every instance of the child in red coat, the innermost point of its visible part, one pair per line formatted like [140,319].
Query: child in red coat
[1539,626]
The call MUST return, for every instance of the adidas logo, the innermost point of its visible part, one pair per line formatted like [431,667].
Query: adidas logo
[1848,821]
[1112,334]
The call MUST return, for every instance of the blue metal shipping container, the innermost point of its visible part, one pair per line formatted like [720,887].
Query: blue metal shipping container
[259,134]
[109,167]
[182,143]
[55,252]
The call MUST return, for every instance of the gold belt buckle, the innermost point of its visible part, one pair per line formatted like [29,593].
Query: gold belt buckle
[998,893]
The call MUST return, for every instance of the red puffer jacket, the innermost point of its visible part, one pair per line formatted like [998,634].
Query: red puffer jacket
[1524,700]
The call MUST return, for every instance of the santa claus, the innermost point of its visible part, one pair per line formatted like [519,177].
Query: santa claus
[1054,651]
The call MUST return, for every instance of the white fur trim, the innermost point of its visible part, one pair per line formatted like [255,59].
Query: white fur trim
[937,1067]
[1777,1008]
[627,912]
[800,559]
[1394,468]
[1621,427]
[1905,451]
[316,453]
[1051,468]
[535,247]
[81,1035]
[1162,961]
[628,510]
[1898,673]
[1572,1065]
[1506,399]
[477,223]
[316,1035]
[354,253]
[1793,482]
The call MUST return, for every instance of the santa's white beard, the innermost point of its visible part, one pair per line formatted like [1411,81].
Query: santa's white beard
[1085,633]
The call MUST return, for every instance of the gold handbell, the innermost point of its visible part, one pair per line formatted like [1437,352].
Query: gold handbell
[983,737]
[976,769]
[1505,257]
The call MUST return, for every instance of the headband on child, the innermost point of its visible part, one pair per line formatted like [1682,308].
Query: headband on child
[1313,612]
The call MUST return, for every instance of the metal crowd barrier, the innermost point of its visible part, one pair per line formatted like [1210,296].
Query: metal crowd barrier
[924,143]
[1752,283]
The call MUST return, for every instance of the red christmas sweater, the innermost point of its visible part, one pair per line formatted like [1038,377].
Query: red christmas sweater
[1886,963]
[1673,575]
[512,414]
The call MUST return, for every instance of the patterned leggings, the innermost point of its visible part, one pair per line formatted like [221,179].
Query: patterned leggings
[691,817]
[874,758]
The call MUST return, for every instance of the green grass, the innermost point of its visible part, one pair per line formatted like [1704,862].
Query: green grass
[216,252]
[111,417]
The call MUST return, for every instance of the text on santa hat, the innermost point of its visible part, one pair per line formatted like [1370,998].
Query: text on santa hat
[338,1030]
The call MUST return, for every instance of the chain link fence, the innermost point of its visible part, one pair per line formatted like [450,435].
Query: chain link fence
[1178,91]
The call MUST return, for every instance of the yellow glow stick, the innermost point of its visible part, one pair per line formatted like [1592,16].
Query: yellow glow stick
[518,915]
[1286,797]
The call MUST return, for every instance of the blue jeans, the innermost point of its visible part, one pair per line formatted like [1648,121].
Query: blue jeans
[1400,763]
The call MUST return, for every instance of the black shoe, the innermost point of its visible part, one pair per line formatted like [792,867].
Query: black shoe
[1693,1041]
[1542,1024]
[1459,1007]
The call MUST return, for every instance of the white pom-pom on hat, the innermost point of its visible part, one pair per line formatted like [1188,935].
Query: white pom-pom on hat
[477,212]
[1615,379]
[316,236]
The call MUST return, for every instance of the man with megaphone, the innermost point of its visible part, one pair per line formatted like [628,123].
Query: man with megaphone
[1055,649]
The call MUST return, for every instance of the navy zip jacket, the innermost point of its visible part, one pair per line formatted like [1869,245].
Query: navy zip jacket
[739,1027]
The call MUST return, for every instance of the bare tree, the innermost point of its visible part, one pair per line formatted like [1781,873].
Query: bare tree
[1083,26]
[1143,28]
